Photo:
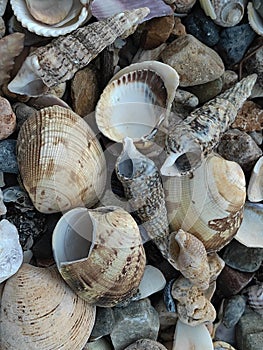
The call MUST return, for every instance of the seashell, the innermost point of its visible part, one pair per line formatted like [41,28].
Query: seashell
[2,205]
[196,136]
[250,231]
[49,18]
[216,265]
[191,259]
[183,6]
[39,311]
[146,344]
[10,46]
[258,6]
[209,204]
[148,55]
[11,254]
[254,19]
[59,60]
[152,282]
[191,337]
[255,297]
[226,13]
[167,297]
[61,162]
[7,119]
[221,345]
[143,189]
[99,253]
[255,185]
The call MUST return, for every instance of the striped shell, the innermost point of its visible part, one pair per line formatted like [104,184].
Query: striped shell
[61,163]
[39,311]
[255,297]
[99,253]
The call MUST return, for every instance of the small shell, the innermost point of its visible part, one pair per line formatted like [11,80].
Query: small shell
[254,19]
[221,345]
[61,162]
[2,206]
[39,311]
[7,119]
[255,297]
[255,185]
[216,265]
[146,344]
[191,259]
[183,6]
[99,253]
[152,282]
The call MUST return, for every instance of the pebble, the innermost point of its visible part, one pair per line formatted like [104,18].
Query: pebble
[229,79]
[8,161]
[22,112]
[249,117]
[7,119]
[239,147]
[2,28]
[145,344]
[195,62]
[202,27]
[100,344]
[232,50]
[179,28]
[234,308]
[207,91]
[136,321]
[255,64]
[242,258]
[257,136]
[104,322]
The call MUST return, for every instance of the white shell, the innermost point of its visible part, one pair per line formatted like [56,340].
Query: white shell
[152,282]
[2,205]
[11,253]
[255,185]
[254,19]
[76,17]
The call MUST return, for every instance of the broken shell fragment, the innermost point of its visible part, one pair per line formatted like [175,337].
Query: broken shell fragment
[99,253]
[255,297]
[254,19]
[152,282]
[7,119]
[255,185]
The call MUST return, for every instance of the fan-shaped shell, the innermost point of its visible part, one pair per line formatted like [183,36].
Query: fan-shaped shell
[210,203]
[99,253]
[39,311]
[60,160]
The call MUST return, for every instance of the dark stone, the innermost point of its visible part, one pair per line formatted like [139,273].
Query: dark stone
[104,322]
[202,27]
[8,161]
[233,310]
[234,42]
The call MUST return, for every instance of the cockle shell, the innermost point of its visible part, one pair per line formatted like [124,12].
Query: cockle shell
[7,119]
[189,141]
[61,162]
[59,60]
[255,185]
[39,311]
[226,13]
[210,203]
[191,259]
[99,253]
[254,19]
[143,189]
[255,297]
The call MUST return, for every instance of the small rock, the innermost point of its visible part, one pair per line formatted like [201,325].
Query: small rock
[145,344]
[2,27]
[249,117]
[7,119]
[183,6]
[242,258]
[206,92]
[195,62]
[257,136]
[179,28]
[104,322]
[233,310]
[253,341]
[22,111]
[230,78]
[100,344]
[255,64]
[8,161]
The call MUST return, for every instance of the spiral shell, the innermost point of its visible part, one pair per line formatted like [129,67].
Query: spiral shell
[39,311]
[60,160]
[255,297]
[255,18]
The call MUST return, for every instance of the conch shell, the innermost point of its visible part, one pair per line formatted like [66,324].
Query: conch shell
[61,162]
[39,311]
[99,253]
[59,60]
[210,203]
[189,141]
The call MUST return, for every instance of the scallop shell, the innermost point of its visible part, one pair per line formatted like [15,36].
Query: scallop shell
[210,203]
[196,136]
[255,185]
[99,253]
[191,259]
[226,13]
[49,18]
[39,311]
[7,119]
[144,191]
[255,297]
[254,19]
[59,60]
[60,160]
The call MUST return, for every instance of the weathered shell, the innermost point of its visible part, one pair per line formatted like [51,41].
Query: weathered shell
[226,13]
[152,282]
[143,189]
[216,265]
[7,119]
[254,19]
[49,18]
[61,162]
[39,311]
[146,344]
[191,259]
[59,60]
[255,297]
[255,185]
[210,203]
[183,6]
[99,253]
[221,345]
[11,254]
[196,136]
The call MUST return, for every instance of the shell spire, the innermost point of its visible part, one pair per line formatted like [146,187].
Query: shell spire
[189,142]
[59,60]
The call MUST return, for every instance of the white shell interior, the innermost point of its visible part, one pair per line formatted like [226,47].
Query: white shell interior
[255,185]
[152,282]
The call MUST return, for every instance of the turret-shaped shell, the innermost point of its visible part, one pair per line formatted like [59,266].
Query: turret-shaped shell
[210,203]
[144,191]
[189,141]
[191,259]
[61,162]
[99,253]
[39,311]
[226,13]
[59,60]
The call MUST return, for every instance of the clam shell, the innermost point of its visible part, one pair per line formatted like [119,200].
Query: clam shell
[255,185]
[209,204]
[255,297]
[99,253]
[39,311]
[254,19]
[60,160]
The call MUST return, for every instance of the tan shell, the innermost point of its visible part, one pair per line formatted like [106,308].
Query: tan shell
[60,160]
[191,259]
[146,344]
[221,345]
[39,311]
[216,265]
[99,253]
[208,204]
[7,119]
